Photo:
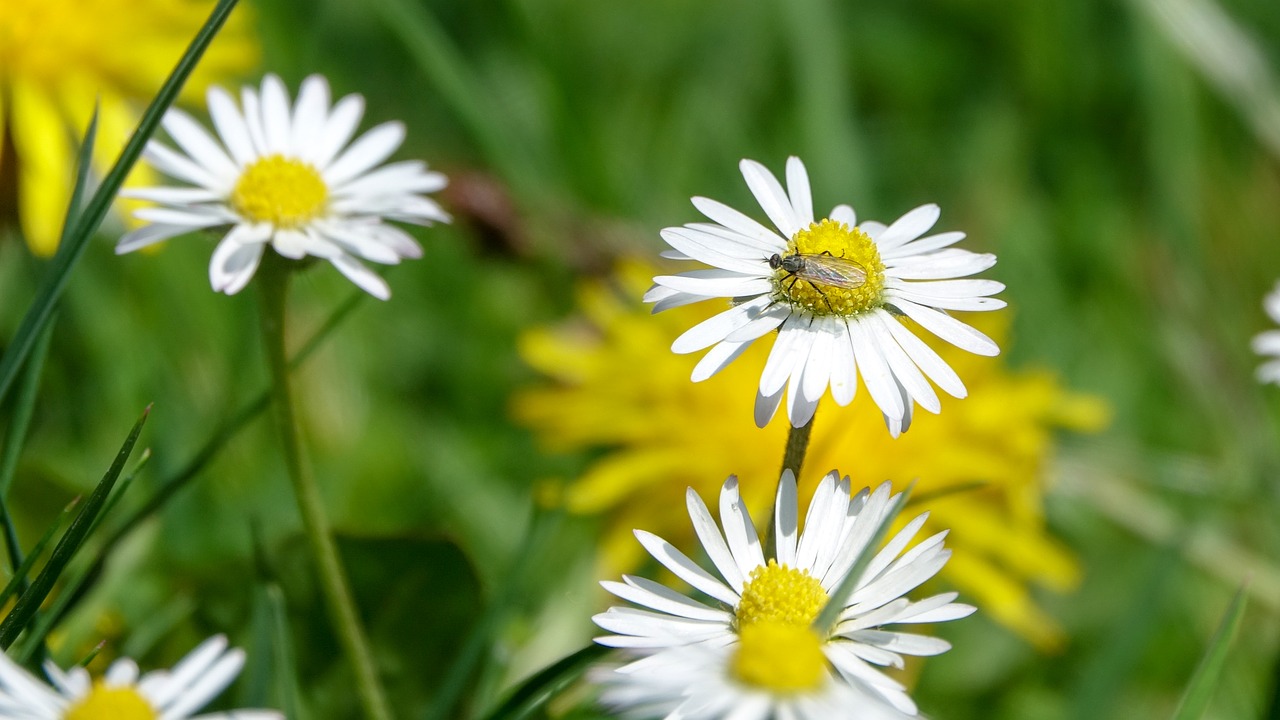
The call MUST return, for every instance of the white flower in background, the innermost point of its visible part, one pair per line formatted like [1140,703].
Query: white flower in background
[121,694]
[1268,343]
[835,292]
[758,648]
[281,177]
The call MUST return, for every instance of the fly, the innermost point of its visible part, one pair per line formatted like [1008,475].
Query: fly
[821,269]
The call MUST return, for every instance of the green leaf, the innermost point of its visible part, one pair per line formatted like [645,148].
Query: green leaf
[170,486]
[72,589]
[77,239]
[30,601]
[1195,699]
[18,582]
[543,687]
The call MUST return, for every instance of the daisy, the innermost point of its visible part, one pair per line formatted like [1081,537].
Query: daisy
[1268,343]
[60,58]
[121,694]
[702,682]
[281,177]
[765,610]
[835,291]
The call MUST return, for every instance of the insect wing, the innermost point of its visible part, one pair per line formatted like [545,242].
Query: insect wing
[832,271]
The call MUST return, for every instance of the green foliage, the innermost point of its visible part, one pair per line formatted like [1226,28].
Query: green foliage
[1133,210]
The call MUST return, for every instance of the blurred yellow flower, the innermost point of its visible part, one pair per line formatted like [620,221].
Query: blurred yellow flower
[57,57]
[979,465]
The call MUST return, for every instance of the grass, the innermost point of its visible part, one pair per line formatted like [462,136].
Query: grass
[1132,207]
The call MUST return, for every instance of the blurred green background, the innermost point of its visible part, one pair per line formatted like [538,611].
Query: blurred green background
[1119,157]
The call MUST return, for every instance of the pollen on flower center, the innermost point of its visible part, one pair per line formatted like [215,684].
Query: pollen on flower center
[285,192]
[827,248]
[780,657]
[780,594]
[111,703]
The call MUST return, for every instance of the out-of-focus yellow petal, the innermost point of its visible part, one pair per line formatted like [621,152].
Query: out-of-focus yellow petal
[616,386]
[44,168]
[121,51]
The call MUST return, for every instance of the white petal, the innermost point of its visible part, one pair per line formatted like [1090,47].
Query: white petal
[941,265]
[372,148]
[923,245]
[739,532]
[785,519]
[713,542]
[908,227]
[199,146]
[689,243]
[716,283]
[817,370]
[844,369]
[735,220]
[686,569]
[180,167]
[275,115]
[715,328]
[949,329]
[148,235]
[799,192]
[253,120]
[876,373]
[310,112]
[929,362]
[363,277]
[844,214]
[234,262]
[793,340]
[338,129]
[903,368]
[766,407]
[231,126]
[717,359]
[772,198]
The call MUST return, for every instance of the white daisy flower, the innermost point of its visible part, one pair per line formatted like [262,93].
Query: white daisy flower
[1268,343]
[765,610]
[281,176]
[835,292]
[701,682]
[121,694]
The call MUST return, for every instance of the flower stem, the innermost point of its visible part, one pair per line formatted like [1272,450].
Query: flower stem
[797,445]
[273,286]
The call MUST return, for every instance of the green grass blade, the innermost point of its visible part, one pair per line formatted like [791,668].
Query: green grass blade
[225,432]
[543,687]
[23,408]
[18,582]
[14,440]
[84,161]
[75,242]
[840,595]
[1195,699]
[71,590]
[66,549]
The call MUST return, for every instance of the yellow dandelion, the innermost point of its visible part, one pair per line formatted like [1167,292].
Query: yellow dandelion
[57,57]
[979,466]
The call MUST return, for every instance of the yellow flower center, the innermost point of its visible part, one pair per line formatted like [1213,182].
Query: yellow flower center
[111,703]
[779,657]
[285,192]
[779,594]
[830,249]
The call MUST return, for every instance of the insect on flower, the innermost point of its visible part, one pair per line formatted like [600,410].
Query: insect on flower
[820,269]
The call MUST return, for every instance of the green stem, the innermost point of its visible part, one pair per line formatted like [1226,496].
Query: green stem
[273,288]
[792,459]
[797,445]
